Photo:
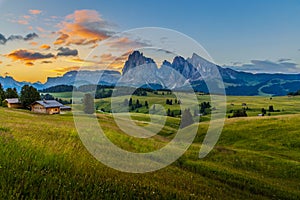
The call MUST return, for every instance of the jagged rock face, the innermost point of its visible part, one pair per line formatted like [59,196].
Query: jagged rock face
[136,59]
[184,67]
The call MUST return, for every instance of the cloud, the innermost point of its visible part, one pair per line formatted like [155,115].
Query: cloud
[45,46]
[3,40]
[83,27]
[110,61]
[29,64]
[23,22]
[26,17]
[40,29]
[61,39]
[284,60]
[30,36]
[46,62]
[35,12]
[27,56]
[15,37]
[66,69]
[33,43]
[125,43]
[67,52]
[27,37]
[265,66]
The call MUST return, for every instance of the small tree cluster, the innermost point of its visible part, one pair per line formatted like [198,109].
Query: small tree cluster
[205,108]
[11,93]
[169,102]
[136,105]
[170,113]
[239,113]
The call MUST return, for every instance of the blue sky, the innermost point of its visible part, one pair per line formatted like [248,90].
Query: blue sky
[256,36]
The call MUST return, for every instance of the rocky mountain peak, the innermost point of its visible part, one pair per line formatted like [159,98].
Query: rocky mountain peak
[135,59]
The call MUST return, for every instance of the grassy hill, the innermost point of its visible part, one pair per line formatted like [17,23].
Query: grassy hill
[42,157]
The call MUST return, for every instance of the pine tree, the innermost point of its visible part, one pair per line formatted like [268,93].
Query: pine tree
[2,94]
[167,101]
[11,93]
[146,104]
[271,109]
[130,102]
[172,114]
[169,112]
[29,95]
[138,103]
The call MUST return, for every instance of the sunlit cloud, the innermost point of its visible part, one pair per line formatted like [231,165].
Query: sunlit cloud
[61,39]
[35,12]
[67,52]
[29,64]
[27,17]
[33,43]
[83,27]
[27,56]
[66,69]
[40,29]
[45,46]
[46,62]
[23,22]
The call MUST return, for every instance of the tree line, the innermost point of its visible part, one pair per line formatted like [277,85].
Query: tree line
[27,96]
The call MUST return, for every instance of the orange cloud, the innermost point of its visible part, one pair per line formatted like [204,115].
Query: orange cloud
[83,27]
[35,12]
[62,39]
[27,56]
[125,43]
[33,43]
[45,46]
[46,62]
[26,17]
[40,29]
[66,69]
[29,64]
[23,22]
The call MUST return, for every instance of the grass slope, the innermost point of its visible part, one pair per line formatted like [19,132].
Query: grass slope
[42,157]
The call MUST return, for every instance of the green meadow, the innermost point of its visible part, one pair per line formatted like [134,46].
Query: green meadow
[42,156]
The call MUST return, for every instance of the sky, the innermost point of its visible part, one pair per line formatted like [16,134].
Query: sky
[40,39]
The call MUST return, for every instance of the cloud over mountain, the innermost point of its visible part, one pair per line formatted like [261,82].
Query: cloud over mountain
[283,65]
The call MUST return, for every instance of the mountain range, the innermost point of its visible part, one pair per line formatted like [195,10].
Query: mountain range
[141,71]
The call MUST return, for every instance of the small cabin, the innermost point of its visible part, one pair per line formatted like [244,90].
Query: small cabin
[13,103]
[48,107]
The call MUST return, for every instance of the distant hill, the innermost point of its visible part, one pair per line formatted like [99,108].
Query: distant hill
[140,71]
